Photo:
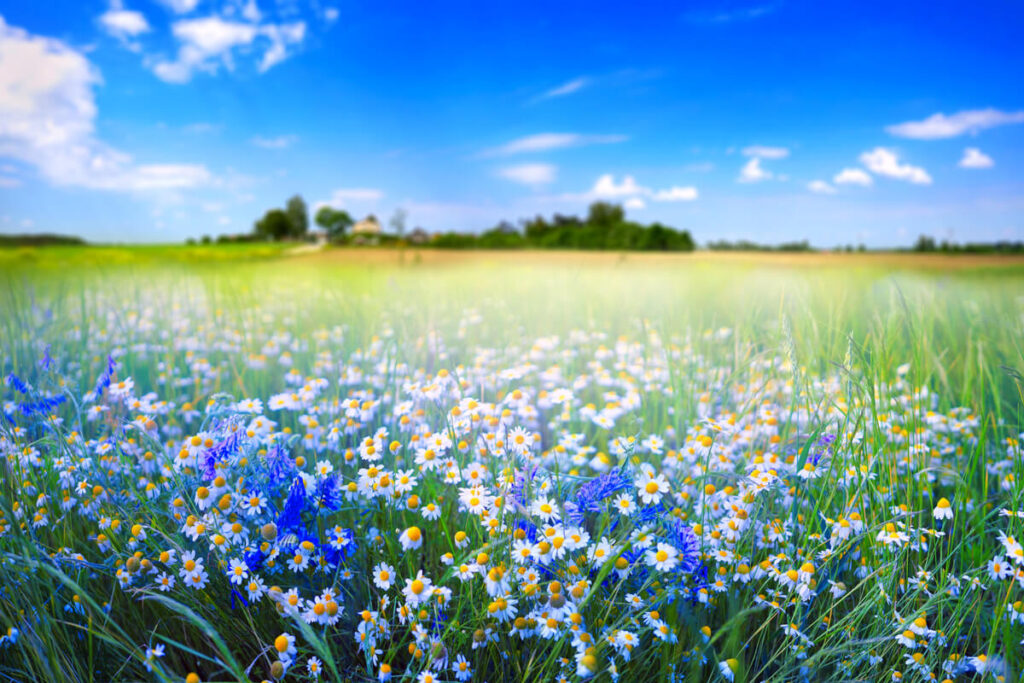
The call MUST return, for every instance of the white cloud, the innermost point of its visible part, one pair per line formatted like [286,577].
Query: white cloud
[331,14]
[208,43]
[567,88]
[606,188]
[280,142]
[852,176]
[766,152]
[939,126]
[635,203]
[820,187]
[885,162]
[676,194]
[753,173]
[47,120]
[975,158]
[343,196]
[251,11]
[180,6]
[123,24]
[530,174]
[547,141]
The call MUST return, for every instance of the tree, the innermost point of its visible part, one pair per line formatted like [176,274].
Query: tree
[397,222]
[298,216]
[334,221]
[275,225]
[605,214]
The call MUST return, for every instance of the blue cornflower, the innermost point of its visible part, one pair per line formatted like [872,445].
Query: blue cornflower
[688,545]
[280,468]
[328,493]
[822,448]
[108,373]
[590,494]
[16,382]
[42,406]
[290,518]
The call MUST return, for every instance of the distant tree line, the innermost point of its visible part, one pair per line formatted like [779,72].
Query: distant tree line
[745,245]
[926,244]
[604,228]
[42,239]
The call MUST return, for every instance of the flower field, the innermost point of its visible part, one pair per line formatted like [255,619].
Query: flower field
[638,470]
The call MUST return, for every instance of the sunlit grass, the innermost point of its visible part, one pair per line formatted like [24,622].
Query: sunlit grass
[829,345]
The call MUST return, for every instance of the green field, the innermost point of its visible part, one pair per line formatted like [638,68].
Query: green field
[778,398]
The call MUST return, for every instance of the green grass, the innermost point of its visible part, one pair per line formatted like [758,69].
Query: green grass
[959,332]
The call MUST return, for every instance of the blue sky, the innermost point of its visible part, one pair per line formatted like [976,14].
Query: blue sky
[137,120]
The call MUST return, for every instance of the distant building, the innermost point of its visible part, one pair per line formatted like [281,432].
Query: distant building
[368,227]
[419,236]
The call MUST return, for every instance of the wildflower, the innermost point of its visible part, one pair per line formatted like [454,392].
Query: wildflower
[383,576]
[418,591]
[907,639]
[238,571]
[153,653]
[284,644]
[461,667]
[314,666]
[663,558]
[651,488]
[411,538]
[728,668]
[943,510]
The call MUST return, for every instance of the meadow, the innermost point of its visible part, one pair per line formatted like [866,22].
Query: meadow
[231,463]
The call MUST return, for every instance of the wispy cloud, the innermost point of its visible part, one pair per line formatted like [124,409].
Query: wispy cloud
[820,187]
[753,173]
[567,88]
[202,128]
[939,126]
[700,167]
[975,158]
[279,142]
[346,195]
[729,16]
[543,142]
[766,152]
[852,176]
[885,162]
[530,174]
[209,43]
[180,6]
[124,24]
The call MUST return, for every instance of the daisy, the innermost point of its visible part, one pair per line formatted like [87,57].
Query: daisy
[255,588]
[728,668]
[238,571]
[651,488]
[943,510]
[461,667]
[411,538]
[999,569]
[314,666]
[664,558]
[419,590]
[545,509]
[384,576]
[625,504]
